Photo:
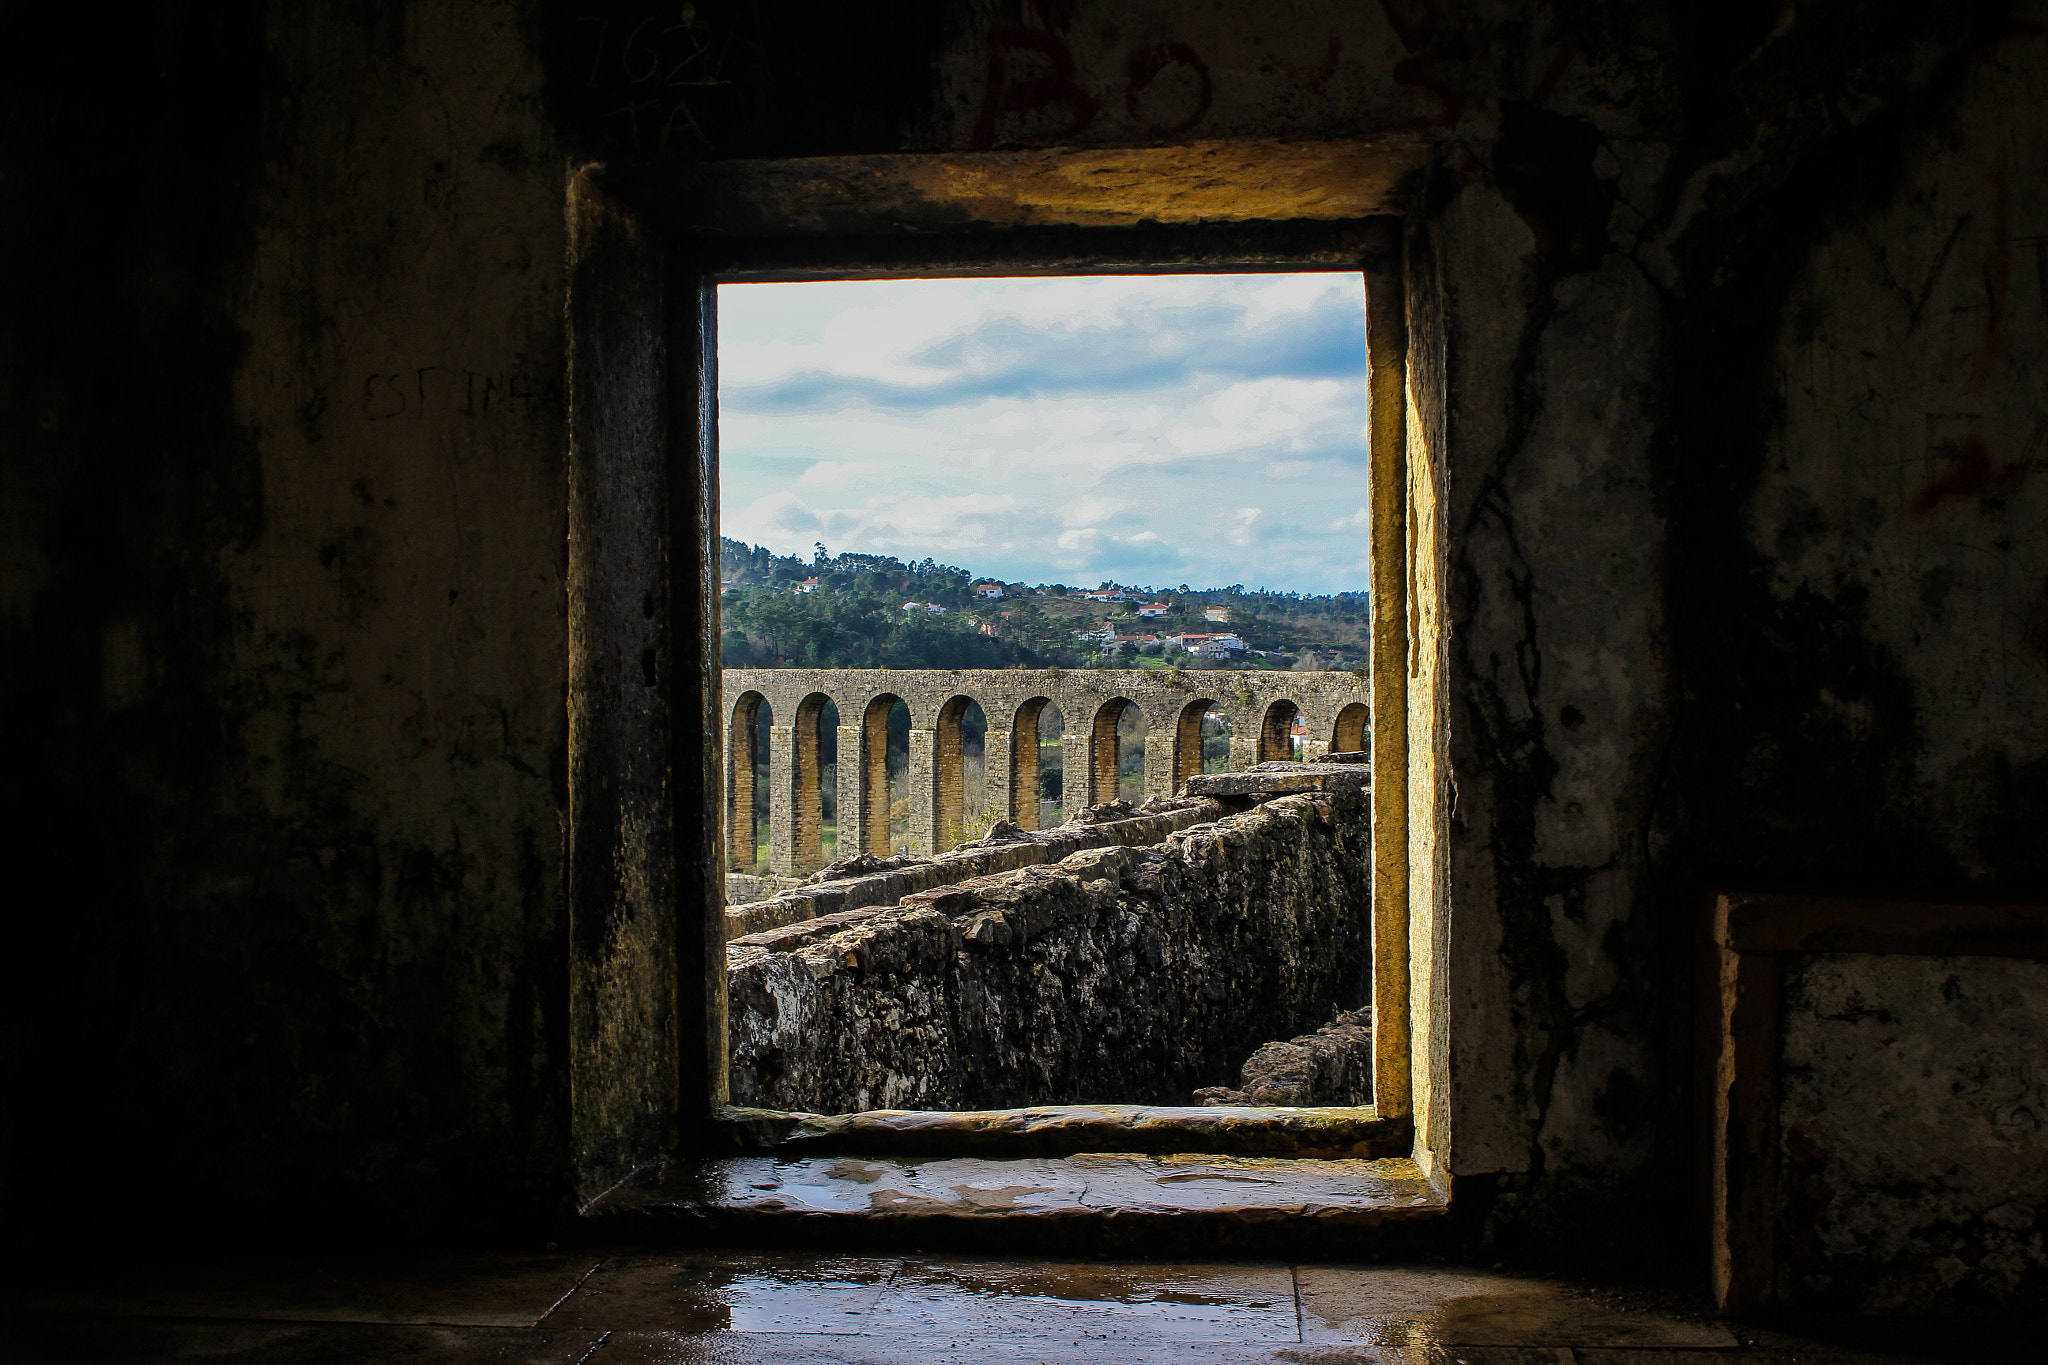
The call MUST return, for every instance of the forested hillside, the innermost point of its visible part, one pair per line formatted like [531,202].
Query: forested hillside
[855,615]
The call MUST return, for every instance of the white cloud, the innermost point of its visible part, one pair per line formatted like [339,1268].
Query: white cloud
[1089,511]
[839,474]
[1079,545]
[1035,467]
[773,520]
[1239,525]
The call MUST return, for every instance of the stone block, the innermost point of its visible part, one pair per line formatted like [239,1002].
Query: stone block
[1332,1066]
[1281,779]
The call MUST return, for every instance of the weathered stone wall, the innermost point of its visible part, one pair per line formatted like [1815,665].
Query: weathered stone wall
[742,889]
[283,621]
[1132,975]
[1914,1131]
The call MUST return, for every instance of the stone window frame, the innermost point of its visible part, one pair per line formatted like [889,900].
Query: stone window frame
[644,772]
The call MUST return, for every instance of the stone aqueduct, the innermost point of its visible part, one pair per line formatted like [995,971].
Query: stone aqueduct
[1170,707]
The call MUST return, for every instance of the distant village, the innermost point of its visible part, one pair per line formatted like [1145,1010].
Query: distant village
[1215,645]
[861,610]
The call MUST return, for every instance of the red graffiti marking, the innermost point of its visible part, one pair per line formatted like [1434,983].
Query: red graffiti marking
[1997,283]
[1057,16]
[1145,64]
[1971,473]
[1030,94]
[1427,49]
[1546,84]
[1327,68]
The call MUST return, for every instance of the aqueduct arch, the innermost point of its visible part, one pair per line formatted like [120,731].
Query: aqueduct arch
[1169,704]
[1276,742]
[948,776]
[1013,759]
[796,816]
[864,775]
[1186,759]
[1350,735]
[742,750]
[1104,768]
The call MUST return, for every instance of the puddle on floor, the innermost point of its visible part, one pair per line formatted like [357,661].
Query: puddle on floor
[967,1299]
[1427,1306]
[728,1292]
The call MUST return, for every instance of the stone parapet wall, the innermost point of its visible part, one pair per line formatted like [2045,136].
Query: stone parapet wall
[744,889]
[1118,974]
[896,878]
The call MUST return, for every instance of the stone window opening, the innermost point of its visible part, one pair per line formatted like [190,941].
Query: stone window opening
[627,347]
[1128,754]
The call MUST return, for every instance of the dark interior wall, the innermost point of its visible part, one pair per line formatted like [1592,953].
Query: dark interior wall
[1732,596]
[283,635]
[1740,311]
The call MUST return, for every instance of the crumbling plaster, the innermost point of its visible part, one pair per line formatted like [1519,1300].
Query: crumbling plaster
[283,623]
[1899,500]
[1914,1123]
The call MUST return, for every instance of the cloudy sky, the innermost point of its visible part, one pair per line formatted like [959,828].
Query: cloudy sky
[1155,429]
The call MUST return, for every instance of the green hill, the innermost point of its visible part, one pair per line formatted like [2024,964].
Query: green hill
[873,611]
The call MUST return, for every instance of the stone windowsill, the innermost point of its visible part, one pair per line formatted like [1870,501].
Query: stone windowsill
[1062,1130]
[1151,1204]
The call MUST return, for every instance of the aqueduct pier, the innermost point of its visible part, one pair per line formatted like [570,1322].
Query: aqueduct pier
[1259,706]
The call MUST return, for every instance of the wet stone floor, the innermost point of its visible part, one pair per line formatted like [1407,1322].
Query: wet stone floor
[629,1307]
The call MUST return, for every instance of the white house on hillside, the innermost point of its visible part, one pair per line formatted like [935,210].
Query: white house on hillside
[1215,646]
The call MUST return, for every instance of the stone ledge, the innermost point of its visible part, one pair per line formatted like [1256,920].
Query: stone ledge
[965,863]
[1061,1130]
[1283,779]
